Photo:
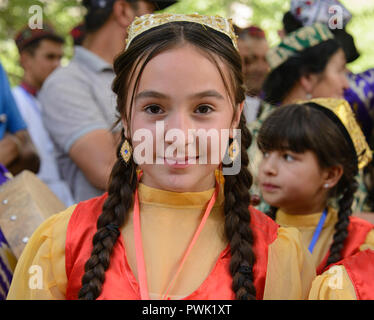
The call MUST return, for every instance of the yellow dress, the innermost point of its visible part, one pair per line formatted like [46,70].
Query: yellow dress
[290,269]
[307,224]
[350,279]
[333,284]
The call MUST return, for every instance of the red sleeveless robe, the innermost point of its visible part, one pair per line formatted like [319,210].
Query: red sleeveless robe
[360,269]
[358,230]
[120,283]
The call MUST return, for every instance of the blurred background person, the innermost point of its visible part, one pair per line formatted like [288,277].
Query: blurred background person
[40,52]
[253,47]
[17,152]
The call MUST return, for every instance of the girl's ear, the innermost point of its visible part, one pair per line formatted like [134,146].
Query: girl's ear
[236,119]
[123,13]
[308,82]
[332,176]
[125,127]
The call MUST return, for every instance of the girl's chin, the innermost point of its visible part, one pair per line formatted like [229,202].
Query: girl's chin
[177,180]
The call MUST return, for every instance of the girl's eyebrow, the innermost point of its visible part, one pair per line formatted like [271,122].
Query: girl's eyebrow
[150,94]
[207,93]
[159,95]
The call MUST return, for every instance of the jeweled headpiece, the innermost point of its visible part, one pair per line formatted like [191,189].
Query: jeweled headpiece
[342,110]
[149,21]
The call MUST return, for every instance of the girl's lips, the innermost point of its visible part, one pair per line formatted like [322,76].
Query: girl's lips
[180,163]
[269,187]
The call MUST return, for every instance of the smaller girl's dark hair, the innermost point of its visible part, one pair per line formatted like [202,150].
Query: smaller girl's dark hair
[304,127]
[312,60]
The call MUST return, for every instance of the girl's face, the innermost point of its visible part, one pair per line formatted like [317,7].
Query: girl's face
[293,181]
[334,79]
[181,89]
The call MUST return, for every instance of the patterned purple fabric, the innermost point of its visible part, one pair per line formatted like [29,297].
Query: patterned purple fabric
[6,273]
[3,174]
[360,96]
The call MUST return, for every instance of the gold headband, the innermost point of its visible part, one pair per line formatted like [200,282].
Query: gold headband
[149,21]
[343,111]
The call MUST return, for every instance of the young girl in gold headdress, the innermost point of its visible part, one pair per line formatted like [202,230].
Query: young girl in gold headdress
[175,228]
[312,153]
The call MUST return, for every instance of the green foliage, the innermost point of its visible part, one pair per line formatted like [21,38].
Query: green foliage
[360,27]
[65,14]
[14,15]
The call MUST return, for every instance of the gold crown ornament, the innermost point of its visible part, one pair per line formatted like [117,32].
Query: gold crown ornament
[343,111]
[149,21]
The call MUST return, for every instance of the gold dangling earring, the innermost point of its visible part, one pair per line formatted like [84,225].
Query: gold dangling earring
[126,151]
[234,150]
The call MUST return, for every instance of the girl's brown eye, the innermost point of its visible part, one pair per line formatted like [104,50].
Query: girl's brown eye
[153,109]
[288,157]
[204,109]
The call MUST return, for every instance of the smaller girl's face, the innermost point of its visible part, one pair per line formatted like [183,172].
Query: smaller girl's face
[180,91]
[292,181]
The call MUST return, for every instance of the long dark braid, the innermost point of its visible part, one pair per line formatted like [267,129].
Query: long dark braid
[120,199]
[237,228]
[341,226]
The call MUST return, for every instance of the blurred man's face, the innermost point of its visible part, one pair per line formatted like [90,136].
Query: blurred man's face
[40,64]
[255,67]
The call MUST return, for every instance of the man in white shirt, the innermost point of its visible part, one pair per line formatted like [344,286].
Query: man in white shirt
[79,107]
[40,53]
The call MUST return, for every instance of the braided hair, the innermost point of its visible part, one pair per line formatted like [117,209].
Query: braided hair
[120,199]
[294,128]
[122,185]
[237,219]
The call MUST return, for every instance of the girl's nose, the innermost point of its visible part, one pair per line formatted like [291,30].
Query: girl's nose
[177,127]
[269,164]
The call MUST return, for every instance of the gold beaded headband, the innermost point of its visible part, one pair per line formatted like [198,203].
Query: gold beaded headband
[149,21]
[344,113]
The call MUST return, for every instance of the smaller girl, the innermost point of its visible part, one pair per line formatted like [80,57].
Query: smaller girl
[311,155]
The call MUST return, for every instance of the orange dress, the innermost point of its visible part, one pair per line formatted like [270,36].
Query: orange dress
[120,283]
